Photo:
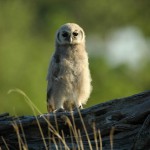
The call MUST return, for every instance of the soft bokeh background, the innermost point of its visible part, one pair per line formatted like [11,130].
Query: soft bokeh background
[118,42]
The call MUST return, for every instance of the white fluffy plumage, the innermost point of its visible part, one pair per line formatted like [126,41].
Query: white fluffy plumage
[69,79]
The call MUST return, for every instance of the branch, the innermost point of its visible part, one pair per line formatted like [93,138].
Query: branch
[118,124]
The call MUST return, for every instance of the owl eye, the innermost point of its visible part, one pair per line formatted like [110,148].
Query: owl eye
[65,34]
[75,33]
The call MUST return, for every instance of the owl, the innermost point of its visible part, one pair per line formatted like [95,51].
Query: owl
[69,79]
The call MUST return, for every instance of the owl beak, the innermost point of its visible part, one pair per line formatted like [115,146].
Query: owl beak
[70,39]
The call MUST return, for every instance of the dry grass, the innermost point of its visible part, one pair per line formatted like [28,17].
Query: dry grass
[61,143]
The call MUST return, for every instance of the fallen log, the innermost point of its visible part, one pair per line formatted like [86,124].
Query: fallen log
[120,124]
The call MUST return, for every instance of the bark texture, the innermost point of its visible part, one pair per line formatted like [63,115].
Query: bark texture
[120,124]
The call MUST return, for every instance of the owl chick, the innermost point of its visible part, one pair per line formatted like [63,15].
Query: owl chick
[69,79]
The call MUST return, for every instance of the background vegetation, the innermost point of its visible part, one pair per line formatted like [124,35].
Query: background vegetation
[117,35]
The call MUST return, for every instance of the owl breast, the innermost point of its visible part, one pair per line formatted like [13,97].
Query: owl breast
[70,69]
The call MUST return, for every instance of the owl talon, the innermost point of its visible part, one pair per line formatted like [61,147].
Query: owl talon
[78,108]
[59,110]
[45,115]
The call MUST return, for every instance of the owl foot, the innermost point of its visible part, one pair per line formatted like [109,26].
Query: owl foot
[78,108]
[45,115]
[59,110]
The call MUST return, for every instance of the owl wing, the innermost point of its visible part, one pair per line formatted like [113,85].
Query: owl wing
[53,72]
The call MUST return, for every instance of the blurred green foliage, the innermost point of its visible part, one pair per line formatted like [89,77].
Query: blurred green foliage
[27,29]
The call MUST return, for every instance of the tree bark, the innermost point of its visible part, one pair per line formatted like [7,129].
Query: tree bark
[120,124]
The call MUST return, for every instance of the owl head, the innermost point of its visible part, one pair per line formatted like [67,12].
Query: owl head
[70,34]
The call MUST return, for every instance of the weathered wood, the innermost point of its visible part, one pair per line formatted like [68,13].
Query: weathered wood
[121,124]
